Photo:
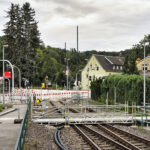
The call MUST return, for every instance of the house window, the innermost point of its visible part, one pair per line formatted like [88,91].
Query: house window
[114,67]
[120,67]
[90,78]
[145,67]
[117,67]
[87,69]
[97,68]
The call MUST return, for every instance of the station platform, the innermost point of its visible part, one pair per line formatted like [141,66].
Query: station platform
[8,130]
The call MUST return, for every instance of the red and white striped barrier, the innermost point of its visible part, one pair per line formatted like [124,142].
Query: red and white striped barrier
[24,94]
[59,94]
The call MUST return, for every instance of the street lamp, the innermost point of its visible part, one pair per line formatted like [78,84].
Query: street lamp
[3,74]
[19,75]
[77,77]
[144,94]
[12,74]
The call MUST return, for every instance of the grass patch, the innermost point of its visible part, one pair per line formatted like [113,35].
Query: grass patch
[93,102]
[35,143]
[1,108]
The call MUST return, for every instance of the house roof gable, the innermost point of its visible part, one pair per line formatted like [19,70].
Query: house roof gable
[107,62]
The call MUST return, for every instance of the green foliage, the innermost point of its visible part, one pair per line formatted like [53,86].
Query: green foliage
[128,88]
[22,36]
[96,88]
[35,142]
[1,108]
[129,66]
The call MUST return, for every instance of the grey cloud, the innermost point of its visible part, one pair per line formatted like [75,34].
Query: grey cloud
[103,24]
[70,8]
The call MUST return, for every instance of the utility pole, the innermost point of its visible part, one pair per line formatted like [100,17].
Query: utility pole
[144,92]
[144,79]
[65,51]
[77,40]
[67,72]
[77,78]
[65,46]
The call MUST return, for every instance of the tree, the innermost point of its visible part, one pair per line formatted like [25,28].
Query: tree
[23,38]
[126,65]
[129,66]
[31,40]
[60,79]
[11,33]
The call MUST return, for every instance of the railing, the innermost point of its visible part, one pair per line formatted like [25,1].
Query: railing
[21,137]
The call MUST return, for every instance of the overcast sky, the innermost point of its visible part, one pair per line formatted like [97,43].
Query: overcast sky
[110,25]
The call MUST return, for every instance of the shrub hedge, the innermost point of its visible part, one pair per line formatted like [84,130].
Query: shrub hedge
[128,88]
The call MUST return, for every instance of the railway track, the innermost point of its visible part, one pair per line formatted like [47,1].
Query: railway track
[78,110]
[138,142]
[96,140]
[107,137]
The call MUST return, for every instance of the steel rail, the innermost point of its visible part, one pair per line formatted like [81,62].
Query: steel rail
[89,140]
[101,136]
[122,143]
[118,138]
[58,110]
[145,141]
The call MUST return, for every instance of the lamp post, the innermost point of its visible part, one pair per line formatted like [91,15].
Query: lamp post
[12,74]
[88,75]
[144,92]
[9,87]
[77,77]
[3,74]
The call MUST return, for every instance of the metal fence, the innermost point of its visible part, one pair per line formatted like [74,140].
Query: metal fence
[21,137]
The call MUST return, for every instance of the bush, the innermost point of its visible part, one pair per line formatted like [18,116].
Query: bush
[128,88]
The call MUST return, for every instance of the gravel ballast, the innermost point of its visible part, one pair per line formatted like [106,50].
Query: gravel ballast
[40,137]
[145,133]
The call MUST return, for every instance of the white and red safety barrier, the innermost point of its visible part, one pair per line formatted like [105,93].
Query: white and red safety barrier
[59,94]
[23,94]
